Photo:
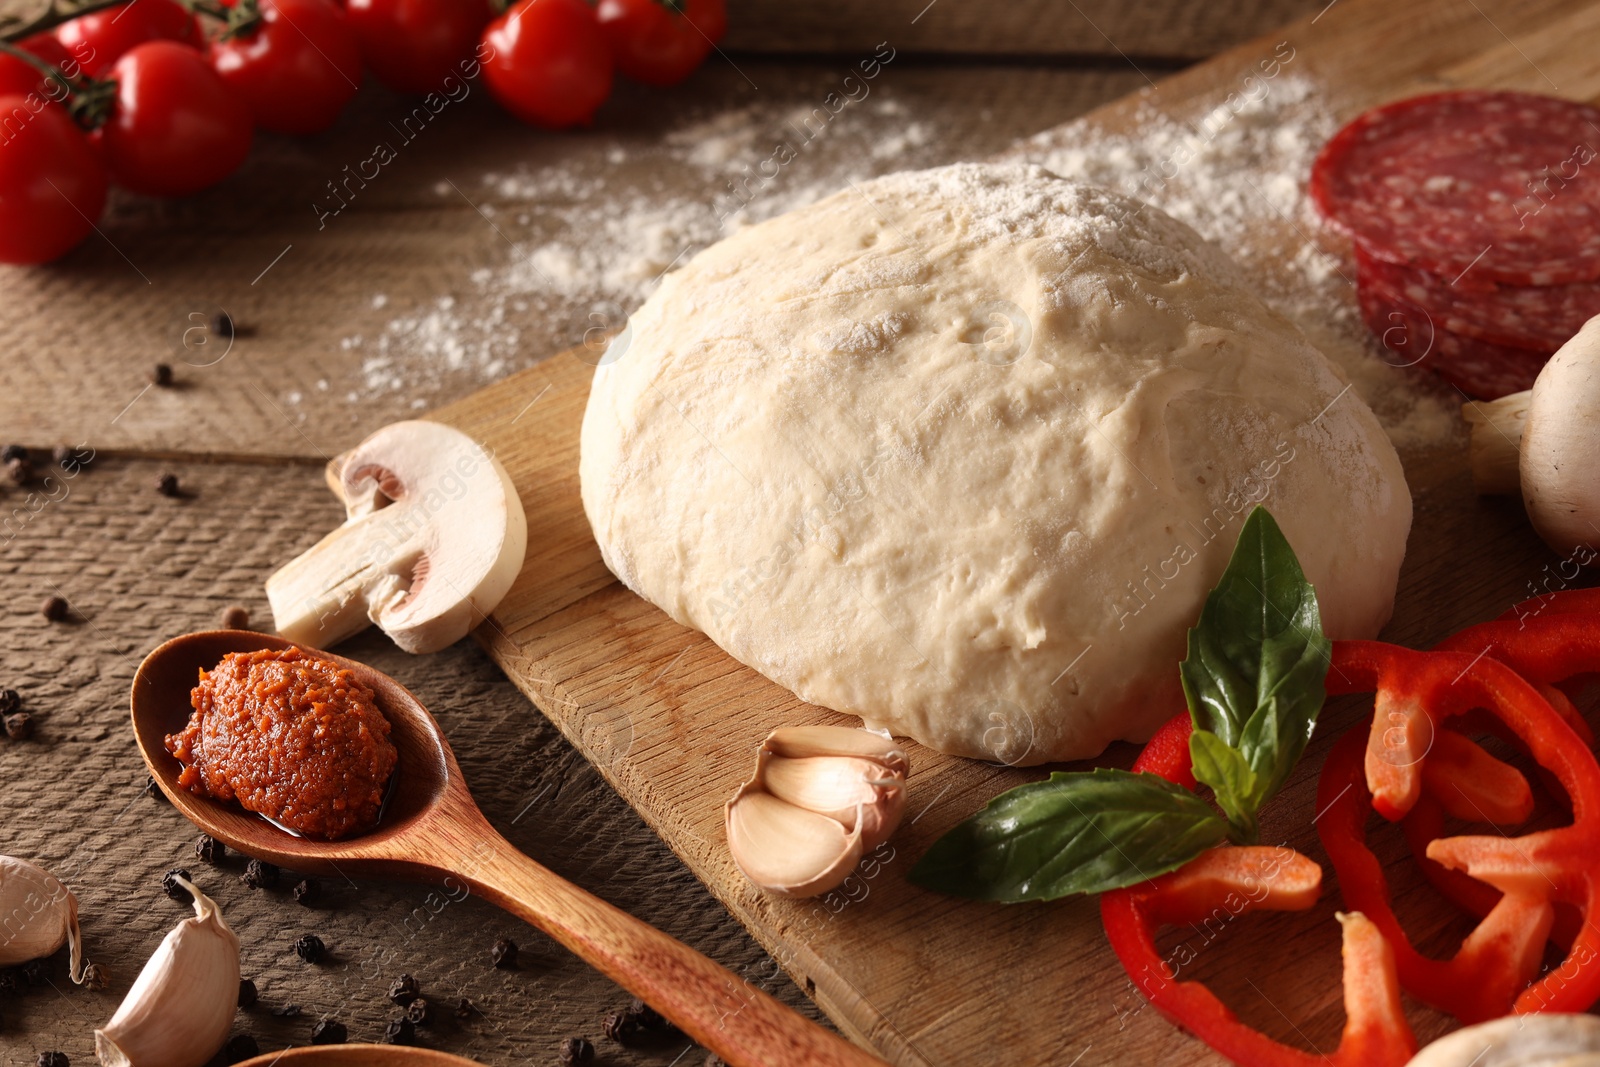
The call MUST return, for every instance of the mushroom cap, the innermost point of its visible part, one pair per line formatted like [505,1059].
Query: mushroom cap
[1560,464]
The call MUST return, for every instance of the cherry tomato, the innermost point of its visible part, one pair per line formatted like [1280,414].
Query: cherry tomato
[21,77]
[176,127]
[297,69]
[414,45]
[52,185]
[548,63]
[661,42]
[98,40]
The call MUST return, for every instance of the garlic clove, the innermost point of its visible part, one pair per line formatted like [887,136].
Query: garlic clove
[799,742]
[40,915]
[181,1007]
[788,850]
[844,788]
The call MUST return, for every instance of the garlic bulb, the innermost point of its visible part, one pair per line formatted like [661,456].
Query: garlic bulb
[821,797]
[37,916]
[181,1006]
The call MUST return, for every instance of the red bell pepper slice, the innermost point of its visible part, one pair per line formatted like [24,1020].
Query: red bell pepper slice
[1496,970]
[1243,878]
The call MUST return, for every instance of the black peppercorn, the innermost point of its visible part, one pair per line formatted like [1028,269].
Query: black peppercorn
[404,990]
[647,1017]
[19,471]
[161,374]
[400,1032]
[259,874]
[151,789]
[577,1050]
[171,887]
[504,953]
[210,850]
[10,700]
[240,1047]
[288,1011]
[167,485]
[307,892]
[420,1012]
[11,452]
[329,1032]
[310,948]
[95,978]
[19,726]
[55,608]
[620,1026]
[713,1060]
[235,617]
[464,1009]
[247,993]
[52,1059]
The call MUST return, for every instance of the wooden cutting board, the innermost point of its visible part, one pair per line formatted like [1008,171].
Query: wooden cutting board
[672,721]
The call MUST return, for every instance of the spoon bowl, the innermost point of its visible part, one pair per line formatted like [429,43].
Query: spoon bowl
[431,828]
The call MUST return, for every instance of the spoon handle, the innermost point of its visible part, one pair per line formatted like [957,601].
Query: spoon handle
[709,1003]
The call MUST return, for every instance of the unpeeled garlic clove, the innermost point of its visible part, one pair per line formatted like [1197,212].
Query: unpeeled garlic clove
[181,1006]
[40,915]
[820,798]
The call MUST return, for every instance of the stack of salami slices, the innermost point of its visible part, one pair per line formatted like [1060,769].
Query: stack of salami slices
[1476,222]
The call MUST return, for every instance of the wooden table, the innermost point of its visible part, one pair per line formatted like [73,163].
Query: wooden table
[80,338]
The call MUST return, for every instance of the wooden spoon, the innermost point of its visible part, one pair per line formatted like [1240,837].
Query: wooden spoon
[432,830]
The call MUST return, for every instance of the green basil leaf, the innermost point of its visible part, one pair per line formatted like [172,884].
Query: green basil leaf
[1235,784]
[1078,832]
[1257,666]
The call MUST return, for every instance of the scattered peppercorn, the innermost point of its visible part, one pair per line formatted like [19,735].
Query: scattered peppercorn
[620,1026]
[19,726]
[222,325]
[713,1060]
[11,452]
[400,1032]
[10,700]
[404,990]
[288,1011]
[247,993]
[153,790]
[329,1032]
[161,374]
[52,1059]
[167,485]
[171,887]
[307,892]
[504,953]
[95,978]
[648,1018]
[420,1012]
[577,1050]
[259,874]
[464,1009]
[19,471]
[55,608]
[235,617]
[240,1047]
[310,948]
[210,850]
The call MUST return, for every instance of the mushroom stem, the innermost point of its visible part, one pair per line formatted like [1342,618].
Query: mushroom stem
[1496,443]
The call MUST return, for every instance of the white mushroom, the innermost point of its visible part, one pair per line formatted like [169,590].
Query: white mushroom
[1547,441]
[1532,1040]
[434,537]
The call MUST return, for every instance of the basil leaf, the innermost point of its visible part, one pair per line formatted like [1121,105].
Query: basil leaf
[1078,832]
[1256,671]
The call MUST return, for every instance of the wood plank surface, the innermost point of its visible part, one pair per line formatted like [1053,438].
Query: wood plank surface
[672,721]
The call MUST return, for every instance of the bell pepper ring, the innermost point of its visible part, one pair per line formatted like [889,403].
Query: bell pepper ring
[1496,969]
[1244,878]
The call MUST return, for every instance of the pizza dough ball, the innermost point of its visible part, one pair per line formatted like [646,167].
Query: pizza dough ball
[962,451]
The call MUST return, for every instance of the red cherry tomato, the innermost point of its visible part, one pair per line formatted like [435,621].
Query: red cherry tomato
[175,127]
[52,185]
[98,40]
[661,42]
[414,45]
[297,69]
[21,77]
[548,63]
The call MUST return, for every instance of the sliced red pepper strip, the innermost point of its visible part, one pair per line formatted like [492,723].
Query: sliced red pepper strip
[1495,970]
[1240,879]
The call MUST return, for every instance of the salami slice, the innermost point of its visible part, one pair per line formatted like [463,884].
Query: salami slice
[1481,369]
[1541,318]
[1504,183]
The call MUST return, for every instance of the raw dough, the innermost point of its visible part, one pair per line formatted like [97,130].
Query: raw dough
[961,451]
